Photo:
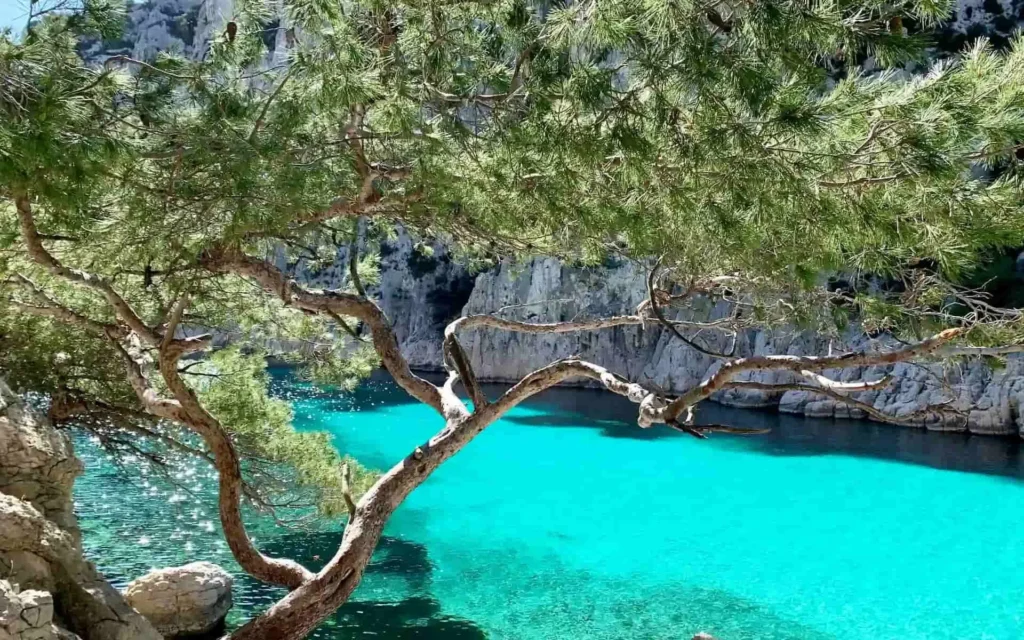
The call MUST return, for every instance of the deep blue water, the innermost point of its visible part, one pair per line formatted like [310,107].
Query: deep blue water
[567,521]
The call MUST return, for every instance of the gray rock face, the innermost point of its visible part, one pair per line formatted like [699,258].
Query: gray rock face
[190,600]
[994,19]
[188,26]
[421,289]
[184,27]
[27,615]
[47,584]
[544,290]
[152,27]
[39,466]
[421,293]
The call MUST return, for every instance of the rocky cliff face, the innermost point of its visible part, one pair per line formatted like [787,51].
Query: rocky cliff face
[421,289]
[188,26]
[184,27]
[48,589]
[544,290]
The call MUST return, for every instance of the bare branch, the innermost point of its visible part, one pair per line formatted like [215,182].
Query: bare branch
[344,325]
[266,105]
[287,573]
[353,257]
[273,280]
[846,386]
[49,307]
[453,351]
[151,401]
[346,490]
[652,296]
[563,370]
[797,364]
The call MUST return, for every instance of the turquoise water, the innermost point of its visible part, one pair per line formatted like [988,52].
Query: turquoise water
[566,521]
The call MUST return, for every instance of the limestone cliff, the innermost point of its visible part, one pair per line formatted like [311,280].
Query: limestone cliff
[421,289]
[544,290]
[188,26]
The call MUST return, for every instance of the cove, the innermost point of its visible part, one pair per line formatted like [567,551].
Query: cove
[565,520]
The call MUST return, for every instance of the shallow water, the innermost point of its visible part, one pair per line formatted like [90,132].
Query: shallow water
[567,521]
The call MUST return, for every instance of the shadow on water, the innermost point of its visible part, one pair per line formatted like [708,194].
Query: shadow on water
[393,556]
[790,435]
[609,428]
[417,616]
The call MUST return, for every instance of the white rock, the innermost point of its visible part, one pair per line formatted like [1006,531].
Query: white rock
[191,599]
[26,615]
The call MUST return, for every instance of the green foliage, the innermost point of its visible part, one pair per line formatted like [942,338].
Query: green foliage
[236,393]
[338,365]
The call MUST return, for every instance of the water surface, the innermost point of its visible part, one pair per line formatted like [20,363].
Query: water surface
[565,520]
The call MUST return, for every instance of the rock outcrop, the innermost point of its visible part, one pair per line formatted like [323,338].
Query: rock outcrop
[421,291]
[422,288]
[188,27]
[47,583]
[545,290]
[27,615]
[188,601]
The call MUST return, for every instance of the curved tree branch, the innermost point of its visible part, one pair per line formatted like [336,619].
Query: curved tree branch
[184,409]
[41,256]
[652,297]
[353,257]
[454,352]
[829,383]
[283,572]
[273,280]
[798,364]
[47,306]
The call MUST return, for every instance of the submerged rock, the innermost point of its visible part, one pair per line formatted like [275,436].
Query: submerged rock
[191,600]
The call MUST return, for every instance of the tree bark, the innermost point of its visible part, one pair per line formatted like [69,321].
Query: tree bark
[302,610]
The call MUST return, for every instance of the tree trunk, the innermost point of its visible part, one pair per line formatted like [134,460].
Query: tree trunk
[302,610]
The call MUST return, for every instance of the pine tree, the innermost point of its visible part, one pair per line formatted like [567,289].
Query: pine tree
[735,147]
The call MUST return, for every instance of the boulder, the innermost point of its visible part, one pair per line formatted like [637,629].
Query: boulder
[27,615]
[191,600]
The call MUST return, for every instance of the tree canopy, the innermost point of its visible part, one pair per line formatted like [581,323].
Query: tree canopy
[750,150]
